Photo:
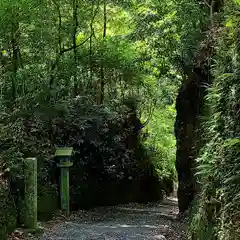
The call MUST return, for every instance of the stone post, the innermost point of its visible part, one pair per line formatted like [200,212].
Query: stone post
[30,194]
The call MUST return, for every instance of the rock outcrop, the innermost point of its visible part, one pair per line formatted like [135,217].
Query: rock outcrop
[190,111]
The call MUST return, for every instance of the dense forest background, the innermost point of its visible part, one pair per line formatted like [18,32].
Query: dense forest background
[84,74]
[117,80]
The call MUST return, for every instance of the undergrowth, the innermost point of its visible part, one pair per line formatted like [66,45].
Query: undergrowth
[215,214]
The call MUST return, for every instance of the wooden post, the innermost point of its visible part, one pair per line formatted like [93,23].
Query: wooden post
[64,163]
[65,189]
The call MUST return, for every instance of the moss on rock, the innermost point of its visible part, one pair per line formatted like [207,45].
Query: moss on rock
[47,202]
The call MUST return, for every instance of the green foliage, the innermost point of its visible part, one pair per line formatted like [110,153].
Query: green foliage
[8,218]
[66,73]
[161,141]
[217,212]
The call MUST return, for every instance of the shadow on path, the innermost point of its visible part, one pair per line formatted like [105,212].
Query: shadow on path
[123,222]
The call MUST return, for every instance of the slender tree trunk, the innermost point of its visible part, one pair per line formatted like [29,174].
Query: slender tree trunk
[93,86]
[15,56]
[102,77]
[59,47]
[90,44]
[114,81]
[75,26]
[54,66]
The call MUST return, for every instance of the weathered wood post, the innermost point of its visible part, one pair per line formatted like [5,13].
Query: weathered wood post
[30,193]
[63,156]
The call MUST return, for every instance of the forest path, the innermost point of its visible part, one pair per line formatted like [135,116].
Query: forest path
[123,222]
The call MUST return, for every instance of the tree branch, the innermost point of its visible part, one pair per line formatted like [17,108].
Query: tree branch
[61,53]
[150,116]
[206,2]
[62,50]
[77,46]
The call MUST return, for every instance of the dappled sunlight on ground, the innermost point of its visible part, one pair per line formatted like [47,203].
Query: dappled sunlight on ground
[131,221]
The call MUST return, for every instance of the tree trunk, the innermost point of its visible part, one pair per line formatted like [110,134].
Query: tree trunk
[15,56]
[75,25]
[102,77]
[90,45]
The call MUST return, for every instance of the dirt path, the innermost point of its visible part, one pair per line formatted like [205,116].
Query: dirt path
[131,221]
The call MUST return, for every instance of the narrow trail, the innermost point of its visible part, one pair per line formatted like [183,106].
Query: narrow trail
[132,221]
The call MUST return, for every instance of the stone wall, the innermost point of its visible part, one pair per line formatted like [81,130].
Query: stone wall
[190,112]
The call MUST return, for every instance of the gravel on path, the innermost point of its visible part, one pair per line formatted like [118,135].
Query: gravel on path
[124,222]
